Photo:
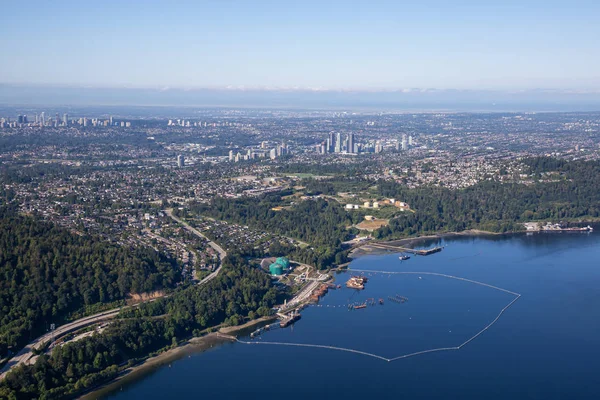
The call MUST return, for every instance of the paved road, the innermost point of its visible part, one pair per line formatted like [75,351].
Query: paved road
[26,353]
[305,293]
[219,249]
[216,247]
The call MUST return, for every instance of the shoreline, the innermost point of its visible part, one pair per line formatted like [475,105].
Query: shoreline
[210,340]
[198,344]
[191,346]
[360,251]
[230,330]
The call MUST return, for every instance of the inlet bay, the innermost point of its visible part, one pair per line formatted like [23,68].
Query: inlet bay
[543,347]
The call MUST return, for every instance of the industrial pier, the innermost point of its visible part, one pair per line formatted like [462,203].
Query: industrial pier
[290,319]
[421,252]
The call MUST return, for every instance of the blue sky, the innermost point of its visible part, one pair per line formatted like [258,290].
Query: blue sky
[483,44]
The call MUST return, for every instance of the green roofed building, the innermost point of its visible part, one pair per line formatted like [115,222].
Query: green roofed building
[284,262]
[276,269]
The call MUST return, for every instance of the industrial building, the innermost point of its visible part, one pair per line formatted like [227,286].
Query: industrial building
[275,269]
[280,265]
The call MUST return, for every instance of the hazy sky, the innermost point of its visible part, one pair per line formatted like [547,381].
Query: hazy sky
[479,44]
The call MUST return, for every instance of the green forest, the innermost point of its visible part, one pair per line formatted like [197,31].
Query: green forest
[237,293]
[559,190]
[572,192]
[319,222]
[48,273]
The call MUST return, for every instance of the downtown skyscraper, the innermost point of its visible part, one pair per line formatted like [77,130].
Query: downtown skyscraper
[338,143]
[350,146]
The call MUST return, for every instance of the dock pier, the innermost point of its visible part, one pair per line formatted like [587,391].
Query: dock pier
[418,252]
[287,320]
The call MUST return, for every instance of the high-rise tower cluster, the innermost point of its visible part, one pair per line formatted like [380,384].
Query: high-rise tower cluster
[335,144]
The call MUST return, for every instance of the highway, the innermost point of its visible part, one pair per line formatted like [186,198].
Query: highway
[26,353]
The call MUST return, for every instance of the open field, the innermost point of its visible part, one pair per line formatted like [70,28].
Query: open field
[372,225]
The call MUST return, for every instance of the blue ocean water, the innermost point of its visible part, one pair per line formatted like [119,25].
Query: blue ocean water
[545,346]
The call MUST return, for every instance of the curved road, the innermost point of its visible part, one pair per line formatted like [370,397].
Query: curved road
[216,247]
[26,353]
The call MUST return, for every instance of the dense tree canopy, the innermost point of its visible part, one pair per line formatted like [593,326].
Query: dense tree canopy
[47,272]
[314,221]
[238,292]
[553,190]
[321,223]
[560,190]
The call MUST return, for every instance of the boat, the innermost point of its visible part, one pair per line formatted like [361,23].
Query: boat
[381,301]
[403,257]
[358,307]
